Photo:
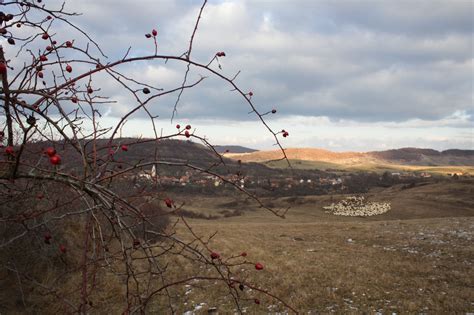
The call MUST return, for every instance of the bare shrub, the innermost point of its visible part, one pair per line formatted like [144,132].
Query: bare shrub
[84,230]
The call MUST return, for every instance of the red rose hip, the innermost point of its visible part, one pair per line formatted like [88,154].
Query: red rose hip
[9,150]
[3,68]
[169,202]
[258,266]
[47,238]
[50,151]
[55,160]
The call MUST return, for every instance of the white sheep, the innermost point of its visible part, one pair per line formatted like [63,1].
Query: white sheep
[357,207]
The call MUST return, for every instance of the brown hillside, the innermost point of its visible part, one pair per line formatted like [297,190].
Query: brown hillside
[404,156]
[306,154]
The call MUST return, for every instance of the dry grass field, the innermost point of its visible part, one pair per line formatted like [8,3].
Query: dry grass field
[406,160]
[416,258]
[378,167]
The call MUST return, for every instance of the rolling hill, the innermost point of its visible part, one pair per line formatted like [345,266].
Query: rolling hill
[414,159]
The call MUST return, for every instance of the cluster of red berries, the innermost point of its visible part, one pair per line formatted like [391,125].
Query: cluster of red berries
[123,147]
[47,240]
[67,43]
[44,58]
[216,255]
[285,133]
[39,71]
[54,158]
[154,33]
[220,54]
[258,266]
[6,17]
[186,132]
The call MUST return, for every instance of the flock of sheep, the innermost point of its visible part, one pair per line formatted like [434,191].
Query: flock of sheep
[357,207]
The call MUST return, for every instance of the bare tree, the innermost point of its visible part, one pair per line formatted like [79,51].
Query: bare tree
[76,232]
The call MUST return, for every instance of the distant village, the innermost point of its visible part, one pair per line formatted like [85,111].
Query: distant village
[310,181]
[196,178]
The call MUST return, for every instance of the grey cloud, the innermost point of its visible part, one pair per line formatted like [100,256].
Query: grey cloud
[364,60]
[425,18]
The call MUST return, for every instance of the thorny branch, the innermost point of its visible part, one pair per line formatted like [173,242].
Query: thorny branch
[70,206]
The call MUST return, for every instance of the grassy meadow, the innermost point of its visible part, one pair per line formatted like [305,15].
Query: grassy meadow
[371,167]
[416,258]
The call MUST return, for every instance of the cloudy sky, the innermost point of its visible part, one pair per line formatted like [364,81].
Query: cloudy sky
[343,75]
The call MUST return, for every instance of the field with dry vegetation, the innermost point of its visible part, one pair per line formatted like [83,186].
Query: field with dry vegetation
[417,257]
